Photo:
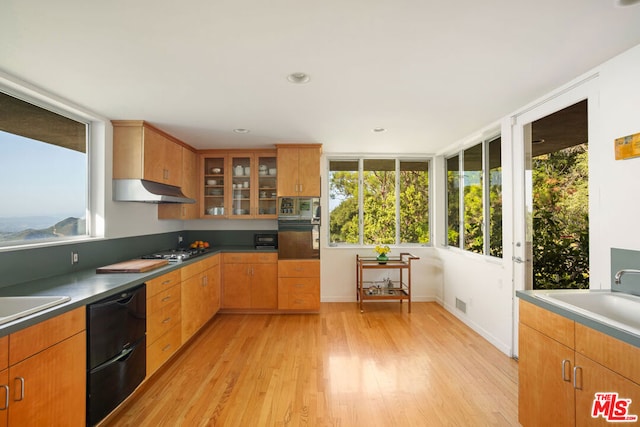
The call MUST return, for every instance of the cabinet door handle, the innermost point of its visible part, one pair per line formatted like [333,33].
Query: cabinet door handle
[166,347]
[167,298]
[566,371]
[21,388]
[577,369]
[167,320]
[6,397]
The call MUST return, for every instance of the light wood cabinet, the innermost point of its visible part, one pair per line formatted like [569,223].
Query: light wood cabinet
[4,381]
[250,281]
[189,188]
[298,170]
[141,151]
[164,319]
[46,378]
[239,184]
[562,364]
[299,285]
[200,294]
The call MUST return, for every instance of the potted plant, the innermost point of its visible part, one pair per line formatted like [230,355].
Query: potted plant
[382,251]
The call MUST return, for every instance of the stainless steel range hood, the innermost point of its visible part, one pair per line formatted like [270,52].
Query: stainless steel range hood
[140,190]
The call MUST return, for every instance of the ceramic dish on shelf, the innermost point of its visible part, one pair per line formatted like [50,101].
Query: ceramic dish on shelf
[216,170]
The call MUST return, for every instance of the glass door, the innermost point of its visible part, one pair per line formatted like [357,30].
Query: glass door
[214,187]
[241,172]
[266,184]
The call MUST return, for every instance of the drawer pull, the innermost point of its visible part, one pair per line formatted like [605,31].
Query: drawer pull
[167,320]
[6,397]
[166,347]
[299,301]
[21,388]
[299,285]
[167,298]
[166,282]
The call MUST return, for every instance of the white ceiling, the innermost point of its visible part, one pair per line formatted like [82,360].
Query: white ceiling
[430,72]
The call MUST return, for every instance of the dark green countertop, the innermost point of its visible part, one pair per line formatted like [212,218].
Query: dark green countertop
[621,334]
[85,287]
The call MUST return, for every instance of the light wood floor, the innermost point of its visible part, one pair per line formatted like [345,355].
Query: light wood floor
[339,368]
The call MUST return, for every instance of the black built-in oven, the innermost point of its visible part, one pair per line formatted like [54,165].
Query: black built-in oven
[298,228]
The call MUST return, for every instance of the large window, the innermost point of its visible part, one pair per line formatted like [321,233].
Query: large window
[474,199]
[43,174]
[453,201]
[379,201]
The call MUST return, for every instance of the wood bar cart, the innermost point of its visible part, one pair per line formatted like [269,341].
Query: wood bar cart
[385,290]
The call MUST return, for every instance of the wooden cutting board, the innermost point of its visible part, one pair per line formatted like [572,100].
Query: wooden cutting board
[133,266]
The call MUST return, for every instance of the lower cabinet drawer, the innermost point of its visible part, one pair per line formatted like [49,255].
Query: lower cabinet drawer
[163,298]
[299,293]
[160,321]
[300,301]
[298,268]
[162,349]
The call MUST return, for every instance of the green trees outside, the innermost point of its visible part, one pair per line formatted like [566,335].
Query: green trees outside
[379,206]
[561,219]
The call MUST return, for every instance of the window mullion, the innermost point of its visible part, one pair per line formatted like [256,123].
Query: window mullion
[361,201]
[397,183]
[486,205]
[461,200]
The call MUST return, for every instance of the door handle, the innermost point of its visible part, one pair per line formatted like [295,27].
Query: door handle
[566,378]
[21,379]
[517,259]
[6,397]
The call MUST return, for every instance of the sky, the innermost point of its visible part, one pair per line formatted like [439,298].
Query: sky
[41,179]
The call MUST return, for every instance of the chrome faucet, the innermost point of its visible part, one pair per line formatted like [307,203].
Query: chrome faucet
[617,278]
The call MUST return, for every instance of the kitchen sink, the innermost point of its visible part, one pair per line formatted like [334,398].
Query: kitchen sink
[614,308]
[12,308]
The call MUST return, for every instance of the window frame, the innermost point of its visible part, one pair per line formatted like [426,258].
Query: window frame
[397,160]
[21,92]
[486,203]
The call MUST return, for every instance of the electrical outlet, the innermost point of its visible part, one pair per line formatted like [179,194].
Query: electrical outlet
[74,258]
[179,239]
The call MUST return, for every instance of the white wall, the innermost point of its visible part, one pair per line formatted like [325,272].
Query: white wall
[338,273]
[487,286]
[619,197]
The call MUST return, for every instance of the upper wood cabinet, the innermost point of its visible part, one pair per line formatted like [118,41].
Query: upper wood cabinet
[299,169]
[189,188]
[238,184]
[141,151]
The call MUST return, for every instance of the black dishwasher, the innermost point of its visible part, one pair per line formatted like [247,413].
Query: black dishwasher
[116,350]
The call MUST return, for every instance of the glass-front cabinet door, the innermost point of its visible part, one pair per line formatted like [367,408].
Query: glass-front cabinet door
[241,189]
[266,185]
[214,202]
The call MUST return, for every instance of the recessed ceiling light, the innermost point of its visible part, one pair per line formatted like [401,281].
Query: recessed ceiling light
[626,2]
[241,130]
[298,78]
[378,130]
